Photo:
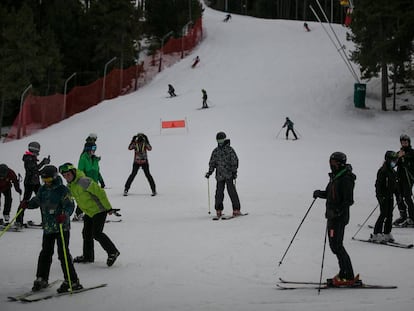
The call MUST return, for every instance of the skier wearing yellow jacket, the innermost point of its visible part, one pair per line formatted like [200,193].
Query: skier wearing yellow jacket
[92,199]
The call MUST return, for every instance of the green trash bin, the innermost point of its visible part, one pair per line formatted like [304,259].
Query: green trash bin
[360,90]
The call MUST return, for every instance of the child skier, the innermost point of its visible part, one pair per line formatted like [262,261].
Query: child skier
[7,179]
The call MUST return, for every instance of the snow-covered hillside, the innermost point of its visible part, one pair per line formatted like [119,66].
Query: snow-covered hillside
[173,257]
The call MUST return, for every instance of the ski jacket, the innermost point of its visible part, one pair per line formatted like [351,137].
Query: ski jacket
[289,124]
[53,200]
[89,164]
[405,167]
[386,182]
[91,198]
[225,161]
[6,183]
[141,148]
[32,168]
[339,194]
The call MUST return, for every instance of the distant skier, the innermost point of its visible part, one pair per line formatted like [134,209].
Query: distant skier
[305,25]
[225,162]
[204,98]
[339,195]
[227,18]
[171,90]
[385,189]
[289,125]
[7,179]
[140,144]
[196,61]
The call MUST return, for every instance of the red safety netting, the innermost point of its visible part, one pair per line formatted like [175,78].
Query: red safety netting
[39,112]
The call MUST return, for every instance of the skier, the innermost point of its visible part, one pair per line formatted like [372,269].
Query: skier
[339,195]
[31,179]
[140,144]
[56,206]
[405,173]
[305,25]
[225,161]
[7,178]
[171,90]
[94,203]
[227,18]
[196,61]
[89,165]
[289,125]
[204,99]
[385,188]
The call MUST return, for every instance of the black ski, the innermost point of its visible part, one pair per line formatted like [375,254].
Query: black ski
[24,295]
[113,220]
[231,216]
[48,295]
[393,244]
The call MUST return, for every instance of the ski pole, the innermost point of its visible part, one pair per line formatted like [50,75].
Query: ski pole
[65,255]
[370,214]
[297,230]
[277,136]
[11,222]
[208,195]
[323,258]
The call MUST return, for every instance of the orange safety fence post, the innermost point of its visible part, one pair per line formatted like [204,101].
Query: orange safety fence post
[173,124]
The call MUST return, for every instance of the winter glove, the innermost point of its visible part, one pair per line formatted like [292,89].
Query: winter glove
[208,175]
[19,191]
[23,204]
[60,218]
[234,175]
[102,184]
[45,161]
[134,138]
[317,194]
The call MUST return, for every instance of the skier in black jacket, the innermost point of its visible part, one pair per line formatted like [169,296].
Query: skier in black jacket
[385,188]
[31,179]
[339,195]
[405,173]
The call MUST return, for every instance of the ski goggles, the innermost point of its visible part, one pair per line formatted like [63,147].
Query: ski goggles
[64,168]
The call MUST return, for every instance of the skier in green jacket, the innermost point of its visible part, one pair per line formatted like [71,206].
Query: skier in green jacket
[94,203]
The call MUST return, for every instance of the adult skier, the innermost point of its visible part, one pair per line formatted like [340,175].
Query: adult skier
[7,179]
[140,144]
[339,195]
[56,206]
[94,203]
[31,179]
[196,61]
[385,188]
[405,173]
[289,125]
[204,92]
[225,162]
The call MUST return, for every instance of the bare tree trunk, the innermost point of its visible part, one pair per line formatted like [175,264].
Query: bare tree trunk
[384,86]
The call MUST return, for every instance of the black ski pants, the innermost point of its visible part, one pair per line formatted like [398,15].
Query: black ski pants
[384,221]
[231,189]
[404,200]
[7,201]
[336,231]
[93,230]
[135,168]
[29,189]
[293,132]
[46,255]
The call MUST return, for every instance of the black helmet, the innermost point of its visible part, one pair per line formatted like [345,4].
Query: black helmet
[34,147]
[405,137]
[49,171]
[339,157]
[220,136]
[390,155]
[3,170]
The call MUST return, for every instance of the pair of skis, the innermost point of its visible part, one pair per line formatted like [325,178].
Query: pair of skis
[227,217]
[291,285]
[392,244]
[46,293]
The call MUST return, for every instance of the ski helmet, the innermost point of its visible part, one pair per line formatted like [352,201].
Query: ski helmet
[49,171]
[91,138]
[34,147]
[390,155]
[66,167]
[220,136]
[405,137]
[338,156]
[3,170]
